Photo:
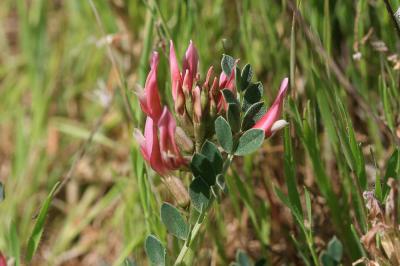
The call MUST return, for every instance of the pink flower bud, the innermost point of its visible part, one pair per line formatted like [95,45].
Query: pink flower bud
[180,102]
[149,99]
[208,77]
[197,104]
[175,74]
[226,82]
[214,96]
[214,88]
[187,85]
[270,121]
[190,62]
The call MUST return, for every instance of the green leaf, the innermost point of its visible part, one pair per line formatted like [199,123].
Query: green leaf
[296,213]
[200,194]
[174,221]
[37,231]
[327,260]
[194,216]
[224,134]
[252,95]
[250,141]
[282,197]
[155,251]
[2,192]
[392,170]
[290,172]
[247,75]
[211,152]
[252,115]
[308,206]
[233,116]
[242,259]
[237,77]
[335,249]
[203,168]
[227,64]
[229,97]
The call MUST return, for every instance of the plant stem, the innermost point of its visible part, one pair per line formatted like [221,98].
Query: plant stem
[227,163]
[310,243]
[196,228]
[185,248]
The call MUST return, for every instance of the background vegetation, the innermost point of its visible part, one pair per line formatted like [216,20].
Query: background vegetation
[67,111]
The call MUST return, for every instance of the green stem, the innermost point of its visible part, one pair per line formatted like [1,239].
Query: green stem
[312,250]
[196,228]
[186,246]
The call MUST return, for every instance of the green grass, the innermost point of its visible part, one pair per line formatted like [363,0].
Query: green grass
[343,114]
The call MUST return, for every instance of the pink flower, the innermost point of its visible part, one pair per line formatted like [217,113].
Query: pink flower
[270,122]
[176,77]
[191,62]
[185,82]
[158,145]
[149,99]
[225,82]
[3,261]
[149,145]
[170,152]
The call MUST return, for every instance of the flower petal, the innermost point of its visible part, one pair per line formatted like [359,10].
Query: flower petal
[176,78]
[196,93]
[151,147]
[278,125]
[191,61]
[168,146]
[267,121]
[150,101]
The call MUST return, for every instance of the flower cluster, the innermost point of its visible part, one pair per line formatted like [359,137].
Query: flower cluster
[191,97]
[227,109]
[197,104]
[158,145]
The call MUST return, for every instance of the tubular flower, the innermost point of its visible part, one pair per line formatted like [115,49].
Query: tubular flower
[270,122]
[191,62]
[185,86]
[149,146]
[158,145]
[175,73]
[170,153]
[225,82]
[149,98]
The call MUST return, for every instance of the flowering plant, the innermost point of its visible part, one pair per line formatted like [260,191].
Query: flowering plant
[213,121]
